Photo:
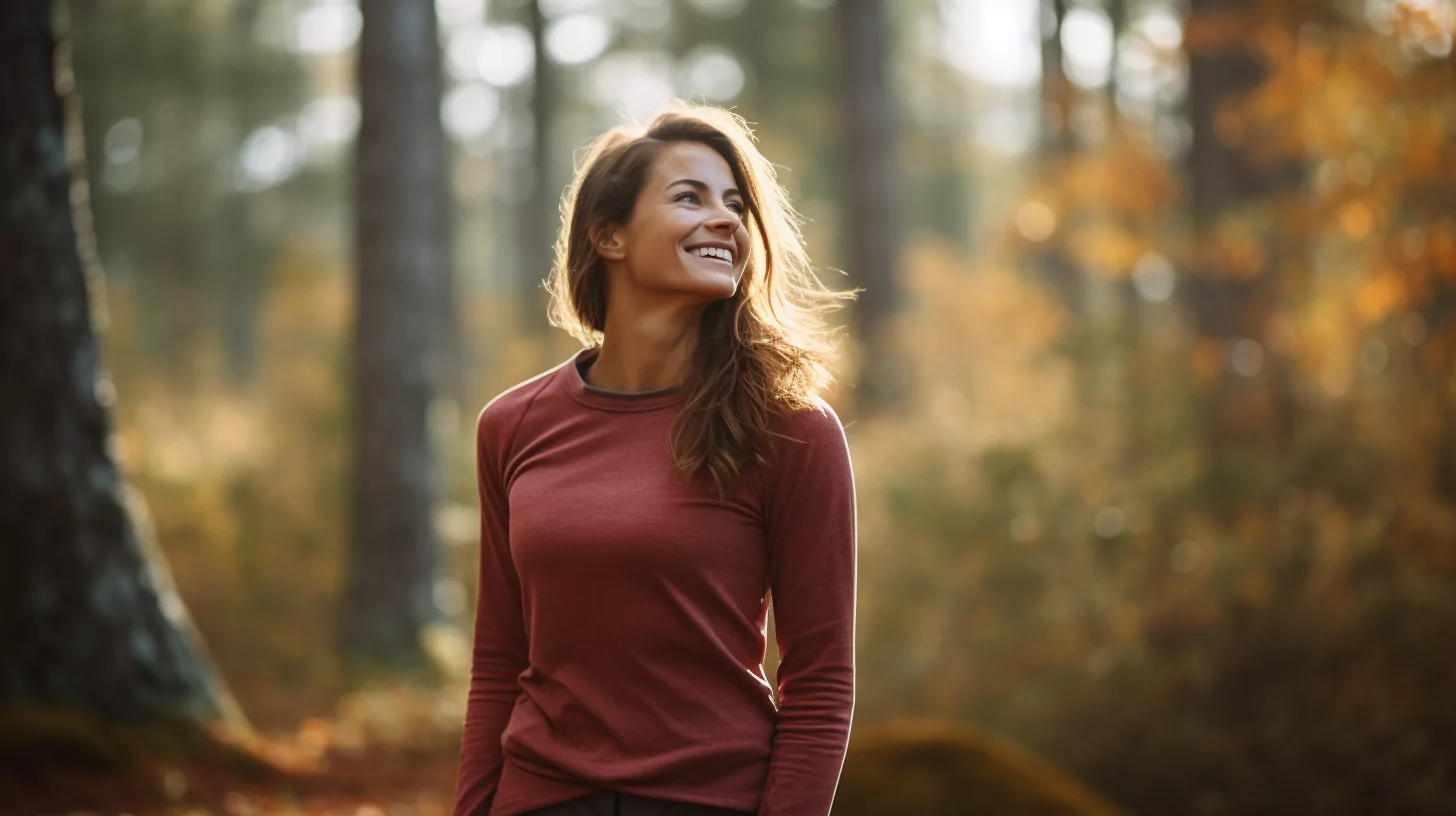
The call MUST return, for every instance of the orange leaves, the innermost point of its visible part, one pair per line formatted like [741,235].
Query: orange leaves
[1125,178]
[1355,219]
[1380,296]
[1106,248]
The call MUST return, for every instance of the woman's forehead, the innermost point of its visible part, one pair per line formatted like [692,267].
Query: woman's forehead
[692,161]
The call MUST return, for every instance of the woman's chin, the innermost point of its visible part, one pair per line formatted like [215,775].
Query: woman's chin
[714,286]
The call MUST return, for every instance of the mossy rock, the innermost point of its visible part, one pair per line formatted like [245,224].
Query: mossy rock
[930,768]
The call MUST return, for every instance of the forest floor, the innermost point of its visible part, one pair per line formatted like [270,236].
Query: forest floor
[291,779]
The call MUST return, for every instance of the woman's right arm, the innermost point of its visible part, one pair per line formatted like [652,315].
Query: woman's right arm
[500,653]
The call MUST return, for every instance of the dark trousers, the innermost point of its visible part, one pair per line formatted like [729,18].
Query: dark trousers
[611,803]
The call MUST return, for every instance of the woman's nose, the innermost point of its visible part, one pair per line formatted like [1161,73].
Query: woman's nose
[725,220]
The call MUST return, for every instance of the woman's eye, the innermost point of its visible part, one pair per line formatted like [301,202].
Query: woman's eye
[735,206]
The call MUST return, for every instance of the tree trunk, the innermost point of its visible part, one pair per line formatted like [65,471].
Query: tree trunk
[89,618]
[539,213]
[403,258]
[1057,142]
[1221,178]
[872,228]
[1249,413]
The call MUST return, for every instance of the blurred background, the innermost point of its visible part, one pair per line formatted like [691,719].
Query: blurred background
[1151,389]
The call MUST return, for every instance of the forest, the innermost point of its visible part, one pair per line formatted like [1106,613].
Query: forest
[1150,384]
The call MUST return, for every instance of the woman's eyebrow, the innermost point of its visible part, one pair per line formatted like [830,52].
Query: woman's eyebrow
[700,186]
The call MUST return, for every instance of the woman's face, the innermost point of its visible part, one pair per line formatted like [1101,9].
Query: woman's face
[686,234]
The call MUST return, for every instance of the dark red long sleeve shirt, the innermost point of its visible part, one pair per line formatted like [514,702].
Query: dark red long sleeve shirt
[622,617]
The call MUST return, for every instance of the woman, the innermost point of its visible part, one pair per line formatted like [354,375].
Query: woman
[642,501]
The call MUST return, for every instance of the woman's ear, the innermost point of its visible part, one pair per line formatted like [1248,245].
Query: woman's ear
[609,241]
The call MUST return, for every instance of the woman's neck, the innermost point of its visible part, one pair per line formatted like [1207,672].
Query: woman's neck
[645,354]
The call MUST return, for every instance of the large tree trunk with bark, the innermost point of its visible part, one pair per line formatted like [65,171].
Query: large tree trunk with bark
[404,260]
[89,619]
[539,213]
[871,201]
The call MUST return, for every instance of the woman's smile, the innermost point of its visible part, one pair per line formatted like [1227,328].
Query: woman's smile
[713,254]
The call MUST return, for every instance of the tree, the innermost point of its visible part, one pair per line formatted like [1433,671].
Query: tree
[1242,257]
[402,245]
[538,214]
[89,620]
[1057,142]
[872,227]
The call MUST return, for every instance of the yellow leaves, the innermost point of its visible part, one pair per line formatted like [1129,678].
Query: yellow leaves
[1123,178]
[1106,248]
[999,385]
[1355,219]
[1379,296]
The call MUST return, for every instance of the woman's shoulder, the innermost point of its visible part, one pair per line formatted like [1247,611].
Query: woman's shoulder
[503,412]
[812,421]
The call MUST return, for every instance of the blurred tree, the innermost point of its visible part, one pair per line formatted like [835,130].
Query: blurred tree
[871,198]
[1057,141]
[539,213]
[1242,259]
[404,261]
[89,619]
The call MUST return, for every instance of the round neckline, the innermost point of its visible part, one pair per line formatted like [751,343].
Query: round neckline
[620,401]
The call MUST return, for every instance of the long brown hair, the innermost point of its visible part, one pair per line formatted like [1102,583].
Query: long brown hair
[762,353]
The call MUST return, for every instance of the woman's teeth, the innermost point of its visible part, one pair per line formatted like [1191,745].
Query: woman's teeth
[715,253]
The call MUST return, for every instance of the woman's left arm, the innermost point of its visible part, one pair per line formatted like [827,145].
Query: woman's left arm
[813,549]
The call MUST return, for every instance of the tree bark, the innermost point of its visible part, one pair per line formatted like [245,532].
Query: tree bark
[403,257]
[539,214]
[89,618]
[872,226]
[1056,143]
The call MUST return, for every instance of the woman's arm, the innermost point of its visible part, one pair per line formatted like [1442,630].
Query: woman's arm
[500,653]
[812,547]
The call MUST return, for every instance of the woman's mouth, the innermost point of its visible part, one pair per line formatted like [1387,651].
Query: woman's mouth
[717,254]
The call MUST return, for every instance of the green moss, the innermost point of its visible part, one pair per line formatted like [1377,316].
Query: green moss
[933,768]
[46,737]
[39,736]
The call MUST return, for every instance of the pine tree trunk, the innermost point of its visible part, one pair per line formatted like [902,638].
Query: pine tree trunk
[403,258]
[89,619]
[872,227]
[539,213]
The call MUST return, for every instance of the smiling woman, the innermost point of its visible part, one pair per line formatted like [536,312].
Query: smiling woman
[643,501]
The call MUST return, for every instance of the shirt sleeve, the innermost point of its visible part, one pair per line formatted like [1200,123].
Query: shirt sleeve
[500,653]
[813,550]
